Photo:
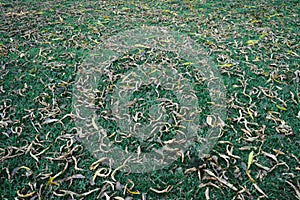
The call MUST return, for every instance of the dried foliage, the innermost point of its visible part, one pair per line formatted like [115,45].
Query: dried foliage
[255,46]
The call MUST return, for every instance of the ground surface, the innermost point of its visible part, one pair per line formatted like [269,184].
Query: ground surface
[254,44]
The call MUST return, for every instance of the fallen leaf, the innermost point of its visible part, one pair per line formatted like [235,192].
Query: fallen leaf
[226,65]
[250,159]
[168,189]
[281,107]
[295,188]
[209,120]
[259,190]
[252,42]
[132,192]
[25,195]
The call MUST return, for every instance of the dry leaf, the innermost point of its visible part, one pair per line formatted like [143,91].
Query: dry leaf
[259,190]
[295,188]
[168,189]
[209,120]
[25,195]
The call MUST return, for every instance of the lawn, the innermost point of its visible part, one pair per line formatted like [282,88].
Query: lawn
[253,46]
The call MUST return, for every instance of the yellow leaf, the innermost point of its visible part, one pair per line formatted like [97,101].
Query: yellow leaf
[275,15]
[226,65]
[106,18]
[265,73]
[281,108]
[256,58]
[250,159]
[187,63]
[255,21]
[132,192]
[291,52]
[250,178]
[262,35]
[52,182]
[278,152]
[24,167]
[250,113]
[51,179]
[252,42]
[170,12]
[146,8]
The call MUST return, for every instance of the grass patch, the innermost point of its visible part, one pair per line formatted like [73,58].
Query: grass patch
[254,45]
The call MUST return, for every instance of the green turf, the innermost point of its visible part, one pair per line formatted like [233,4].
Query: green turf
[42,45]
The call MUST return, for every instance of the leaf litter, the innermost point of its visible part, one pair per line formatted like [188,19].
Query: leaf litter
[256,48]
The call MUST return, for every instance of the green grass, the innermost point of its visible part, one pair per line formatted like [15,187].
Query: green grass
[42,45]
